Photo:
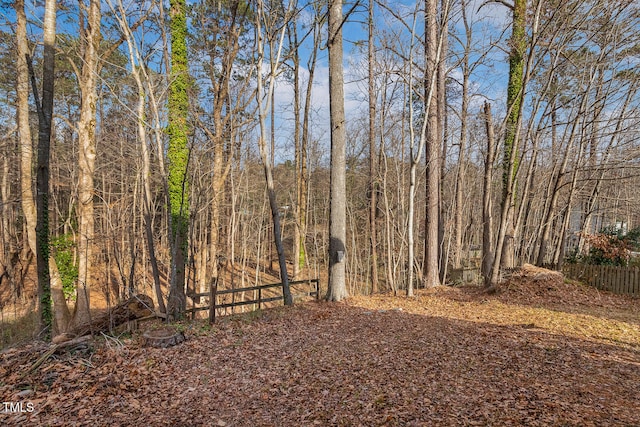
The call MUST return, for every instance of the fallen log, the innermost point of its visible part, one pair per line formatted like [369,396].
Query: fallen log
[136,307]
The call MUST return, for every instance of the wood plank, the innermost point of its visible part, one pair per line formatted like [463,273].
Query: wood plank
[616,279]
[611,278]
[619,280]
[627,281]
[255,288]
[240,303]
[259,300]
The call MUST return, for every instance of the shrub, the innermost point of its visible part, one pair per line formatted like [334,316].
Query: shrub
[607,249]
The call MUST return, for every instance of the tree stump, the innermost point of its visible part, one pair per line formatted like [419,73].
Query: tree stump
[163,338]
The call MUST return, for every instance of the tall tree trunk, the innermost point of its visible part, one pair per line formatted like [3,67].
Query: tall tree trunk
[61,310]
[462,151]
[505,251]
[222,135]
[515,95]
[304,146]
[443,131]
[414,158]
[487,216]
[178,157]
[337,289]
[24,129]
[388,226]
[90,38]
[5,221]
[557,181]
[431,266]
[292,32]
[136,71]
[45,119]
[264,154]
[373,180]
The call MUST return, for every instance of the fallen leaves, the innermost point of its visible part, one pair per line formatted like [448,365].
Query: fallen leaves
[447,357]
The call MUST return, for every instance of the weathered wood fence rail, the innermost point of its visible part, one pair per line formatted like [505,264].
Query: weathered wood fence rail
[314,291]
[619,280]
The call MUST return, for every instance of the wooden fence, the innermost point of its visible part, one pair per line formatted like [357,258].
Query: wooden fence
[619,280]
[314,291]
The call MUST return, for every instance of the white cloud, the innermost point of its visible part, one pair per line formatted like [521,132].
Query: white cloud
[284,104]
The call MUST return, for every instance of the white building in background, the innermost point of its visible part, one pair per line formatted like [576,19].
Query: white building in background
[597,223]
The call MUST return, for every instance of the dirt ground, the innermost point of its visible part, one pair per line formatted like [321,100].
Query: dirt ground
[542,351]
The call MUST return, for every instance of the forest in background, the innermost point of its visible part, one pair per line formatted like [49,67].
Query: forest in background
[468,140]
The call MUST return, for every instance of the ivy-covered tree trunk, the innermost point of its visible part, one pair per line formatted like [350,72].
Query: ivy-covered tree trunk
[515,94]
[178,158]
[45,118]
[504,255]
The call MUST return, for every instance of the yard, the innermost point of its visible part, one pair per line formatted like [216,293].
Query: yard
[543,351]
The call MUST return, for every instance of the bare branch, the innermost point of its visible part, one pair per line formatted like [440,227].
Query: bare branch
[502,2]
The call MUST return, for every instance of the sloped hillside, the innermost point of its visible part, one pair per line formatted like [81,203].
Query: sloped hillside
[449,356]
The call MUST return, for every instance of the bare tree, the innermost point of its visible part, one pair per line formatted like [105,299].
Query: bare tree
[337,289]
[24,129]
[487,214]
[141,77]
[264,150]
[303,157]
[373,157]
[462,144]
[431,276]
[87,79]
[220,28]
[414,159]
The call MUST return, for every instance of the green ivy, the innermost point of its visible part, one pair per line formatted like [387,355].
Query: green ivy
[178,155]
[63,248]
[515,87]
[178,127]
[44,282]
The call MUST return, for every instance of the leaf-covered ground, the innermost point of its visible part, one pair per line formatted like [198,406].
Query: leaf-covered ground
[535,354]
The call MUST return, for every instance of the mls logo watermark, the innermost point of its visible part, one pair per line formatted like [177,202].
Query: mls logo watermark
[16,407]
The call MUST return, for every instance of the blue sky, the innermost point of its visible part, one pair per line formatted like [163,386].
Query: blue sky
[491,21]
